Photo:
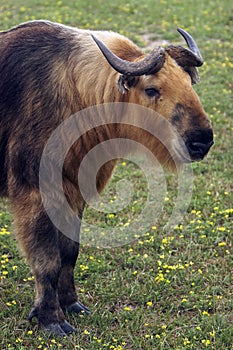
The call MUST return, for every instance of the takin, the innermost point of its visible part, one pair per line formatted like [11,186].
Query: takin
[50,71]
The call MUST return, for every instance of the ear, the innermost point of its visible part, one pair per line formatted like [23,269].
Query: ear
[125,82]
[187,60]
[193,72]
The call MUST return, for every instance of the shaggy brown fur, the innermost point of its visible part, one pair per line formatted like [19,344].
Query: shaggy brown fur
[49,72]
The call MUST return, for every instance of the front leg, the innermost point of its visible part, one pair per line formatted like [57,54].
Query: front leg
[69,250]
[47,307]
[39,240]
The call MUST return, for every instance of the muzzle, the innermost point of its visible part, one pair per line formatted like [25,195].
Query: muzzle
[198,143]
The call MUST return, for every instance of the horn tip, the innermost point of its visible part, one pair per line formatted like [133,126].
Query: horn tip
[97,41]
[181,31]
[94,38]
[192,45]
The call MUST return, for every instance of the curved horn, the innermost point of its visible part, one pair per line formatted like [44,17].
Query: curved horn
[151,64]
[192,45]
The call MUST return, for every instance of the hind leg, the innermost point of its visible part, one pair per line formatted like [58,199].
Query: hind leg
[40,242]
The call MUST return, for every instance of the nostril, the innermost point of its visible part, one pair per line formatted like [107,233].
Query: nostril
[199,149]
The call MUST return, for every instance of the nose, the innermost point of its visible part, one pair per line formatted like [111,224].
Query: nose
[198,143]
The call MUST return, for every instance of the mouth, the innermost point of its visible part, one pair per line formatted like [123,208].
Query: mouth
[181,154]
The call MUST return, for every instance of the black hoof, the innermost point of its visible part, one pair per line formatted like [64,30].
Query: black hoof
[60,329]
[78,307]
[33,314]
[67,328]
[55,329]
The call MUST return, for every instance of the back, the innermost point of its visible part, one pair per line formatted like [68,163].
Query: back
[33,58]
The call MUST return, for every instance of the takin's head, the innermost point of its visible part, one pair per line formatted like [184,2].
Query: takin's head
[162,81]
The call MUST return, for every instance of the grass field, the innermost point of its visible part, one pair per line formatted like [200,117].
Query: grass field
[167,289]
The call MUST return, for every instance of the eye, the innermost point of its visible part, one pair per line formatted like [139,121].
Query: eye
[152,92]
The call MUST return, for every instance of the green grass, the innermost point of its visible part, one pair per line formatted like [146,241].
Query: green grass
[166,290]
